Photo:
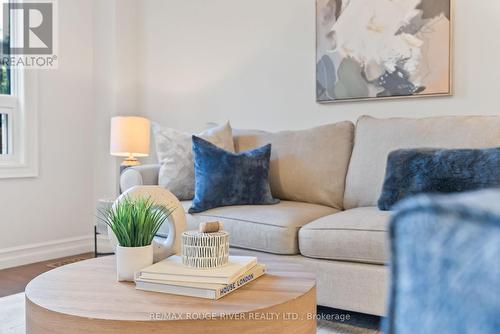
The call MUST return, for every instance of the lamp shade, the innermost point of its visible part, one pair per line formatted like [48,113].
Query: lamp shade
[130,136]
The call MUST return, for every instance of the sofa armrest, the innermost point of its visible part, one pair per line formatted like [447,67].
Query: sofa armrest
[145,175]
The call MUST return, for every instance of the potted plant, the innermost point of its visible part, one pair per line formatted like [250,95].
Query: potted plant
[135,223]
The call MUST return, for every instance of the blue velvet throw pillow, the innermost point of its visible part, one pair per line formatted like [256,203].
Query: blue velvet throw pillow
[223,178]
[414,171]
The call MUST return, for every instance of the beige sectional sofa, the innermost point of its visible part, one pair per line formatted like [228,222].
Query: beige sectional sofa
[329,179]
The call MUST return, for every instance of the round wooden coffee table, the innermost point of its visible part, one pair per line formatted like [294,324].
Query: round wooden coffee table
[85,297]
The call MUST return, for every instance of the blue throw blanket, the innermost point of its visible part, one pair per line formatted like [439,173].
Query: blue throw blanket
[446,265]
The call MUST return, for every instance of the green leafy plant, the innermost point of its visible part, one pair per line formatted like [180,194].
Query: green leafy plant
[135,222]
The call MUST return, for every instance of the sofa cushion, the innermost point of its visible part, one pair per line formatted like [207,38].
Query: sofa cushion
[356,235]
[272,229]
[376,138]
[308,165]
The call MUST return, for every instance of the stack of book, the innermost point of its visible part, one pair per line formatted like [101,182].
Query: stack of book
[171,276]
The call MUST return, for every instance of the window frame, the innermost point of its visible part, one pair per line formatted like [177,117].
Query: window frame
[6,142]
[21,106]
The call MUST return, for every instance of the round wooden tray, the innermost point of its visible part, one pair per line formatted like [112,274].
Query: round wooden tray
[85,297]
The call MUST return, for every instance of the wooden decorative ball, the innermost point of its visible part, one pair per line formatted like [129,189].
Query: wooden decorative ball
[205,250]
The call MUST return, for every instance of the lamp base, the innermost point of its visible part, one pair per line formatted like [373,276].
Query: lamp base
[130,162]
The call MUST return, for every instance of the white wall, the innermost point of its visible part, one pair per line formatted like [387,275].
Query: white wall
[117,67]
[52,215]
[253,62]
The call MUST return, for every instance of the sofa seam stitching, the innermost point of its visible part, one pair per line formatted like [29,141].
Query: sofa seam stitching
[343,229]
[260,223]
[346,259]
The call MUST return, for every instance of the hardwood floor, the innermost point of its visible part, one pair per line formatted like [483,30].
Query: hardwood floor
[14,280]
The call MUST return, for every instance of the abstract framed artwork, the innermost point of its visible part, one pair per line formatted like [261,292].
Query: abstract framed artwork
[377,49]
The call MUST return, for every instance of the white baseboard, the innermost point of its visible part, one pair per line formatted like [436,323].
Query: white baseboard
[26,254]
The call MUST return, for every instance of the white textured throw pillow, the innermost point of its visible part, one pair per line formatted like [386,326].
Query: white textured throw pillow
[175,154]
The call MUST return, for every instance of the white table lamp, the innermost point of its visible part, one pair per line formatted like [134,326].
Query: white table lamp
[130,138]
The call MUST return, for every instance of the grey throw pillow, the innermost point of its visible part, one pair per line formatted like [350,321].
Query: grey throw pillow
[175,154]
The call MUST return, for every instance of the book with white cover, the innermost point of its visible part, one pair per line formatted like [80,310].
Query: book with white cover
[200,290]
[172,269]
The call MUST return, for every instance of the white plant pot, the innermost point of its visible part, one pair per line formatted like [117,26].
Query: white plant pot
[176,223]
[130,260]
